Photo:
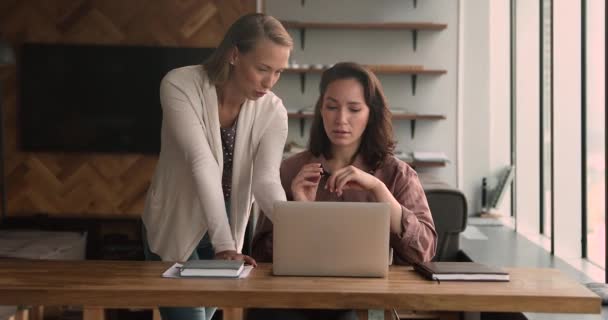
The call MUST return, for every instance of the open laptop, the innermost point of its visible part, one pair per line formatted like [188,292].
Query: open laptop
[331,239]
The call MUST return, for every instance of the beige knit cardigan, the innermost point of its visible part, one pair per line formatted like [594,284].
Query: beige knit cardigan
[185,198]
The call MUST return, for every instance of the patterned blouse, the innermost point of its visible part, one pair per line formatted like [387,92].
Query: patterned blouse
[228,138]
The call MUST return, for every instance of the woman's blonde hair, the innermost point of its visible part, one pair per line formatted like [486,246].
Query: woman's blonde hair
[244,34]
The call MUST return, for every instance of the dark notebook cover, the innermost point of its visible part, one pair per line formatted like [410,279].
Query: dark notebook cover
[212,268]
[460,271]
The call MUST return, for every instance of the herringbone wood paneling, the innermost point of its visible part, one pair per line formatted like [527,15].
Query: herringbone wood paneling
[95,185]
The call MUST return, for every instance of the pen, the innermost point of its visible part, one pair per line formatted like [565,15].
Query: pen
[325,173]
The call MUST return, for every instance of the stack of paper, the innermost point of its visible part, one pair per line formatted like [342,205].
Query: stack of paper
[400,111]
[307,109]
[404,156]
[426,156]
[212,268]
[175,270]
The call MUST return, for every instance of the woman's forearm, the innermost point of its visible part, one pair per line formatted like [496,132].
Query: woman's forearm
[382,194]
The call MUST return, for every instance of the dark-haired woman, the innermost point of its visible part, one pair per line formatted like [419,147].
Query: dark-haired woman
[349,158]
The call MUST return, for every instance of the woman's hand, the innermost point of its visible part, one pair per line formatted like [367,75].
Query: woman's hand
[233,255]
[353,178]
[305,184]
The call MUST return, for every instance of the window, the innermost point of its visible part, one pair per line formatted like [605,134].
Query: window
[594,102]
[546,118]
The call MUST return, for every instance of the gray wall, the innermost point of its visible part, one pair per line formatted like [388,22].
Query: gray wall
[462,95]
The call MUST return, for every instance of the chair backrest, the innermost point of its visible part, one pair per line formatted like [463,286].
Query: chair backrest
[449,209]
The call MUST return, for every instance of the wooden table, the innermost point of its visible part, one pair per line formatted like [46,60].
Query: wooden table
[137,283]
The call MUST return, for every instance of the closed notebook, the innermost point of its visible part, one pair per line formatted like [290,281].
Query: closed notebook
[212,268]
[460,271]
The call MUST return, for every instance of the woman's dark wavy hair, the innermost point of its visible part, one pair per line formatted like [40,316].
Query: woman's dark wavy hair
[377,140]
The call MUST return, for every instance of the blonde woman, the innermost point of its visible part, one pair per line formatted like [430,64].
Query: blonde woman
[222,139]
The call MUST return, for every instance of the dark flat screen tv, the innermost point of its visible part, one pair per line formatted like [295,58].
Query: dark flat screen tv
[94,98]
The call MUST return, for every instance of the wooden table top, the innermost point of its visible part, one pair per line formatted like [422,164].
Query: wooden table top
[138,283]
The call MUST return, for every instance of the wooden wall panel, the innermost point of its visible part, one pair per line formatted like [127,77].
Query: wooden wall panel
[95,185]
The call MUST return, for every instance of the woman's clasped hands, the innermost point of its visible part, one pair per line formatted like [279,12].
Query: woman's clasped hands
[306,183]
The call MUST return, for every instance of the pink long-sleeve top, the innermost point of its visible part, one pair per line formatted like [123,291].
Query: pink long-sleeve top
[418,239]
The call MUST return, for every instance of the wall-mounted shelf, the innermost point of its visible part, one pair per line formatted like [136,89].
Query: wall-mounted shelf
[413,163]
[414,27]
[413,117]
[303,3]
[312,62]
[412,70]
[397,115]
[426,164]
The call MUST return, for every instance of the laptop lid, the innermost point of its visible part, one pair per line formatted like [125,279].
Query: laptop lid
[331,239]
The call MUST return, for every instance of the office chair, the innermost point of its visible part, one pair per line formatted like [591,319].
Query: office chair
[449,210]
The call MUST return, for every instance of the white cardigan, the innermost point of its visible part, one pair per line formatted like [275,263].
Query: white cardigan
[185,199]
